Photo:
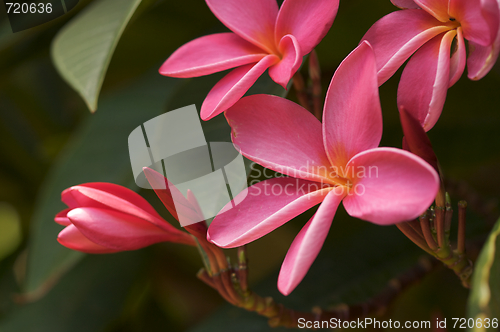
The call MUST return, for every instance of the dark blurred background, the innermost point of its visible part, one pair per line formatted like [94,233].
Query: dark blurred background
[49,141]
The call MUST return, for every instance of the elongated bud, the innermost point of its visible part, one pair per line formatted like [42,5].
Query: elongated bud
[416,140]
[105,218]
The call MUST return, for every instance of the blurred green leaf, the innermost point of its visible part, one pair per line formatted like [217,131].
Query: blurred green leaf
[87,299]
[82,50]
[484,299]
[97,153]
[10,229]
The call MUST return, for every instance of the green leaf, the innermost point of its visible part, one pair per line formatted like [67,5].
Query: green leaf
[484,299]
[97,153]
[10,230]
[87,299]
[82,50]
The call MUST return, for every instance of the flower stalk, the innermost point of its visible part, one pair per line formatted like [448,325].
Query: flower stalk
[280,316]
[437,243]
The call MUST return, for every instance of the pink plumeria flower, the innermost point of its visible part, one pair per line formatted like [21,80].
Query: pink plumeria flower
[428,29]
[264,36]
[107,218]
[325,163]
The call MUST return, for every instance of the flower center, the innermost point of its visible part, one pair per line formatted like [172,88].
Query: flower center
[339,175]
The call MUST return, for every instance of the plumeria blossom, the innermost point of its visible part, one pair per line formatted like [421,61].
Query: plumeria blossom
[429,29]
[264,36]
[107,218]
[325,163]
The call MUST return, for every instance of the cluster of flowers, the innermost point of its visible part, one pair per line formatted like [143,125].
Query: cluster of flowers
[283,136]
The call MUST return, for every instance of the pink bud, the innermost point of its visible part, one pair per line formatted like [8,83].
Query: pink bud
[105,218]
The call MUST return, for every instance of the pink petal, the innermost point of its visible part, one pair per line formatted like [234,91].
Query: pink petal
[478,19]
[405,4]
[62,219]
[458,59]
[425,79]
[191,198]
[252,20]
[211,54]
[72,238]
[307,244]
[121,231]
[198,229]
[437,8]
[280,135]
[167,192]
[393,45]
[233,86]
[390,186]
[352,119]
[308,21]
[111,196]
[268,205]
[482,58]
[290,62]
[103,194]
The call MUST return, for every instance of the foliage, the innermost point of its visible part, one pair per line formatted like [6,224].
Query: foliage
[49,140]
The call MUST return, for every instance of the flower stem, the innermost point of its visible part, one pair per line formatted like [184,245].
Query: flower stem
[442,250]
[243,268]
[426,229]
[406,229]
[279,315]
